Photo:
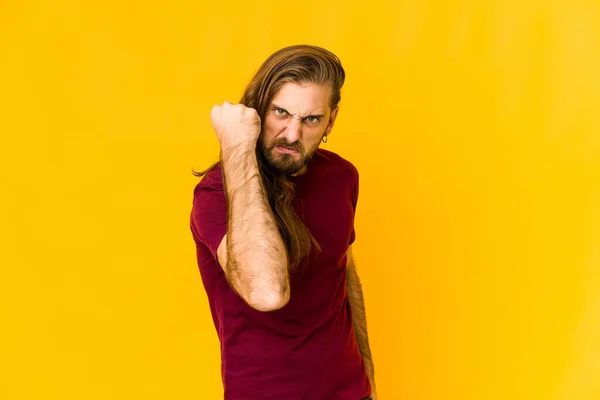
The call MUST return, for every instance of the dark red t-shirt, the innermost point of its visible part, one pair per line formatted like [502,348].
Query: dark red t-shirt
[307,349]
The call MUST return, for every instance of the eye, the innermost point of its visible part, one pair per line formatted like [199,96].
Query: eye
[312,120]
[279,111]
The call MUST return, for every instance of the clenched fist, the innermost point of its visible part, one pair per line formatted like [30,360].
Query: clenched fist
[235,124]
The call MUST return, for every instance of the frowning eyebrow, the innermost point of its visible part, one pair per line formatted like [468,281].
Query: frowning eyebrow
[276,107]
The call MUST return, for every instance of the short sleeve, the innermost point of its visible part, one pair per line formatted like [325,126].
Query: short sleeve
[354,203]
[209,212]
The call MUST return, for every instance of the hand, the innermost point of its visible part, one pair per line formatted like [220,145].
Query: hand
[235,125]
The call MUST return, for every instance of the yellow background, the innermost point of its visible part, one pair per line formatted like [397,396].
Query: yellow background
[475,127]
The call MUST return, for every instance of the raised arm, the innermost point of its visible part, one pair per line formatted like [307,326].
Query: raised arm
[252,253]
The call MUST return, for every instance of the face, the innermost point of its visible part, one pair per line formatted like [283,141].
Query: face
[296,120]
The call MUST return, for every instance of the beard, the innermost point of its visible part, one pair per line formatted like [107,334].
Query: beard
[286,164]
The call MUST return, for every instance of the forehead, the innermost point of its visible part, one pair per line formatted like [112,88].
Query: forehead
[303,98]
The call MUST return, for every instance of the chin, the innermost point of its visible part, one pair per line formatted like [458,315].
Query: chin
[287,167]
[284,164]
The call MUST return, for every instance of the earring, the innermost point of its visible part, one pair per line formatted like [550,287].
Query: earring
[324,139]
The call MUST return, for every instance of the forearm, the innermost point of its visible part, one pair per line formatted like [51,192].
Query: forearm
[359,319]
[256,255]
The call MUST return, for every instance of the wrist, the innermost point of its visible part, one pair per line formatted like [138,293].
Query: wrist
[245,145]
[239,165]
[238,151]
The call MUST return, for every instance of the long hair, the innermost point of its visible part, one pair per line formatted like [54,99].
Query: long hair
[298,64]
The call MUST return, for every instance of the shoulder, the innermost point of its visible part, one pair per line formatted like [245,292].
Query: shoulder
[212,181]
[338,164]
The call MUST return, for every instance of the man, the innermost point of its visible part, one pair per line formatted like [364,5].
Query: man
[273,223]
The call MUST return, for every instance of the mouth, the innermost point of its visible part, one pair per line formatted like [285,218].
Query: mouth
[285,150]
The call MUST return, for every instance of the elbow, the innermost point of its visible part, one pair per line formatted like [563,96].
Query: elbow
[263,289]
[269,300]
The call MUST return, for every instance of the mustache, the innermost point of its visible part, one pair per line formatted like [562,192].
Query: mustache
[291,146]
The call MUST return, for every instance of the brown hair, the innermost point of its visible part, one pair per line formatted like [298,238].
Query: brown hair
[298,64]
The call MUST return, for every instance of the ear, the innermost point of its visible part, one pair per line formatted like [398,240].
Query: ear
[332,118]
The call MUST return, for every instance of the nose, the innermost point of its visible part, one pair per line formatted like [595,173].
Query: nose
[293,130]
